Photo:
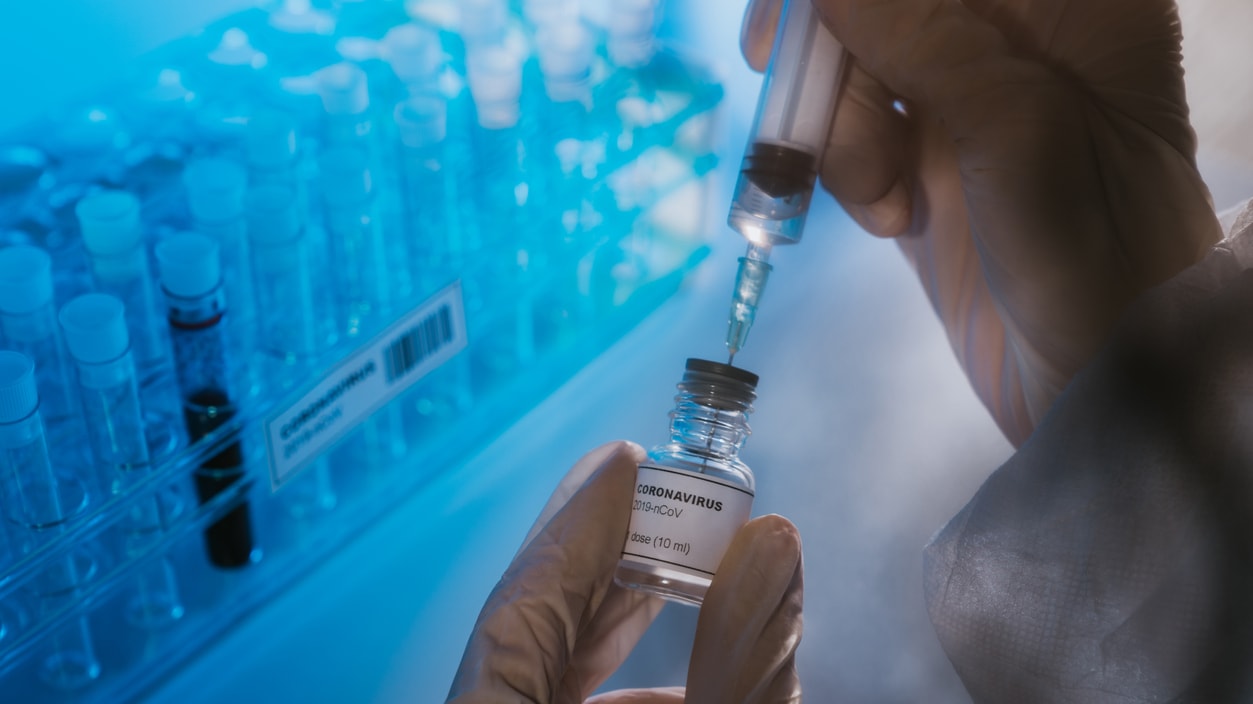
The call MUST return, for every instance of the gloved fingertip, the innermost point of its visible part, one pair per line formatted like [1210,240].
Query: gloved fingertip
[625,451]
[620,456]
[761,20]
[774,536]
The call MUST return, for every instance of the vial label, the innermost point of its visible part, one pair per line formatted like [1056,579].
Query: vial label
[683,520]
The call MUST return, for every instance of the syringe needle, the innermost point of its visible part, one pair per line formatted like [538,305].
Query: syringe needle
[750,282]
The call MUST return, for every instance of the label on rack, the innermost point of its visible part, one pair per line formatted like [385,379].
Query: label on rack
[683,520]
[352,390]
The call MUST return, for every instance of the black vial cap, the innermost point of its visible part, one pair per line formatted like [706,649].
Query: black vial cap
[726,371]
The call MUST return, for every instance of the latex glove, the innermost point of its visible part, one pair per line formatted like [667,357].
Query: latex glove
[1110,560]
[556,626]
[1044,176]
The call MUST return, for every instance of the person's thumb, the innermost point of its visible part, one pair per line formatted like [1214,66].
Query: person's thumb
[750,623]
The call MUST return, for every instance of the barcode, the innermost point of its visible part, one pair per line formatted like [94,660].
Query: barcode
[418,343]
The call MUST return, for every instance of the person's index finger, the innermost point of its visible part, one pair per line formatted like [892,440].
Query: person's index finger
[750,623]
[525,635]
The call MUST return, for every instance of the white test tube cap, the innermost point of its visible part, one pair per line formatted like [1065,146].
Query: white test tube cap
[169,89]
[413,52]
[300,17]
[189,265]
[345,176]
[236,49]
[344,89]
[272,214]
[94,326]
[109,221]
[565,58]
[19,396]
[421,120]
[215,189]
[25,279]
[495,77]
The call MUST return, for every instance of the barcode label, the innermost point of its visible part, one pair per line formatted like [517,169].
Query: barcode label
[418,343]
[350,391]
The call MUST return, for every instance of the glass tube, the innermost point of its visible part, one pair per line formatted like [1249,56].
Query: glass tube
[354,232]
[215,195]
[96,334]
[39,502]
[507,203]
[434,227]
[286,313]
[190,273]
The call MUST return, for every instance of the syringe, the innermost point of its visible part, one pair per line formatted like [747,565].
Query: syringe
[784,150]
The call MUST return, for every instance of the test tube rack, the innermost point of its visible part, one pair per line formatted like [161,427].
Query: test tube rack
[597,220]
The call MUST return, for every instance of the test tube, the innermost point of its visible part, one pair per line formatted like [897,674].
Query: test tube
[434,228]
[282,265]
[415,56]
[508,206]
[94,325]
[271,150]
[362,274]
[287,314]
[230,80]
[191,278]
[344,89]
[40,502]
[160,119]
[28,325]
[436,231]
[566,55]
[110,226]
[565,60]
[215,196]
[95,332]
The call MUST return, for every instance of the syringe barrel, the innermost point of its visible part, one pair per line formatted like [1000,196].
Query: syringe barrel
[794,115]
[798,93]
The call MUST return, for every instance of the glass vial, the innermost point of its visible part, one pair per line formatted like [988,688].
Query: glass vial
[693,493]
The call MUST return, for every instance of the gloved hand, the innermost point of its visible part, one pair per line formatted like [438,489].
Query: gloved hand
[1044,173]
[556,626]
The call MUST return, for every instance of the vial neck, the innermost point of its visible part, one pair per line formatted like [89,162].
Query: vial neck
[707,430]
